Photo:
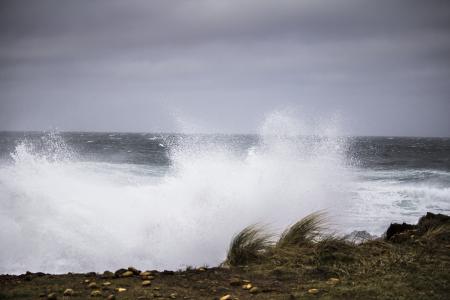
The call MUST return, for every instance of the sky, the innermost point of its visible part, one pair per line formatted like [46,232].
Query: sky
[382,67]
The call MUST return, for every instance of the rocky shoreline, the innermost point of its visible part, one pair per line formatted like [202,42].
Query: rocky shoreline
[412,261]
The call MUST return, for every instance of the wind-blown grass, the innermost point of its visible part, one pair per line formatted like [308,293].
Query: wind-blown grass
[305,231]
[437,233]
[248,246]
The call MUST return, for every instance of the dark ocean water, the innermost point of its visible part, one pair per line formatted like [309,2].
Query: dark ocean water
[154,149]
[94,201]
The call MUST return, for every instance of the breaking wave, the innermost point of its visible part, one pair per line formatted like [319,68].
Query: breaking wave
[59,213]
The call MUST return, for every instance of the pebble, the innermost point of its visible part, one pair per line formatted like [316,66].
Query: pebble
[107,274]
[173,296]
[333,280]
[119,272]
[87,281]
[247,286]
[120,290]
[235,282]
[127,274]
[93,285]
[68,292]
[111,297]
[134,270]
[254,290]
[145,273]
[106,283]
[226,297]
[146,283]
[96,294]
[52,296]
[313,291]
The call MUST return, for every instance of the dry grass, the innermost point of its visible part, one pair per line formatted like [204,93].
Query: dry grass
[438,233]
[254,245]
[305,231]
[304,258]
[248,246]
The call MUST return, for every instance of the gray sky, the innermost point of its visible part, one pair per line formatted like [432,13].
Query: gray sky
[220,66]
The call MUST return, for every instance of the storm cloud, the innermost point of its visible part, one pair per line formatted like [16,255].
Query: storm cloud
[382,66]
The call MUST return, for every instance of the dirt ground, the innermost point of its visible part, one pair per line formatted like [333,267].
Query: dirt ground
[408,266]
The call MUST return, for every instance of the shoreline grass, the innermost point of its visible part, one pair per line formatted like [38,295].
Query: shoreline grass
[303,262]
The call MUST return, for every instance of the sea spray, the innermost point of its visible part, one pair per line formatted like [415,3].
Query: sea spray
[63,210]
[61,214]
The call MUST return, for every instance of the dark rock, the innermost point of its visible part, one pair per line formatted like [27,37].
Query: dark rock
[52,296]
[91,274]
[119,272]
[396,228]
[431,220]
[107,275]
[402,232]
[166,272]
[134,270]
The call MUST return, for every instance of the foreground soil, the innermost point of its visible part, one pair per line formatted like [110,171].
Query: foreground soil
[408,266]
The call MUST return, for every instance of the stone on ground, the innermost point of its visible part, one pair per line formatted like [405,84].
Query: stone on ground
[68,292]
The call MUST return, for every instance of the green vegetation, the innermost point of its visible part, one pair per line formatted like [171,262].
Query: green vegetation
[304,232]
[412,262]
[248,246]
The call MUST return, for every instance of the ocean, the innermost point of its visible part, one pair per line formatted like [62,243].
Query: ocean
[81,201]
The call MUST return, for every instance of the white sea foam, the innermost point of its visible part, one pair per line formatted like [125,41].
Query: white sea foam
[60,214]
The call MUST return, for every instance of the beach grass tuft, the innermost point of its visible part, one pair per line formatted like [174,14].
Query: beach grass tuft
[305,231]
[249,245]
